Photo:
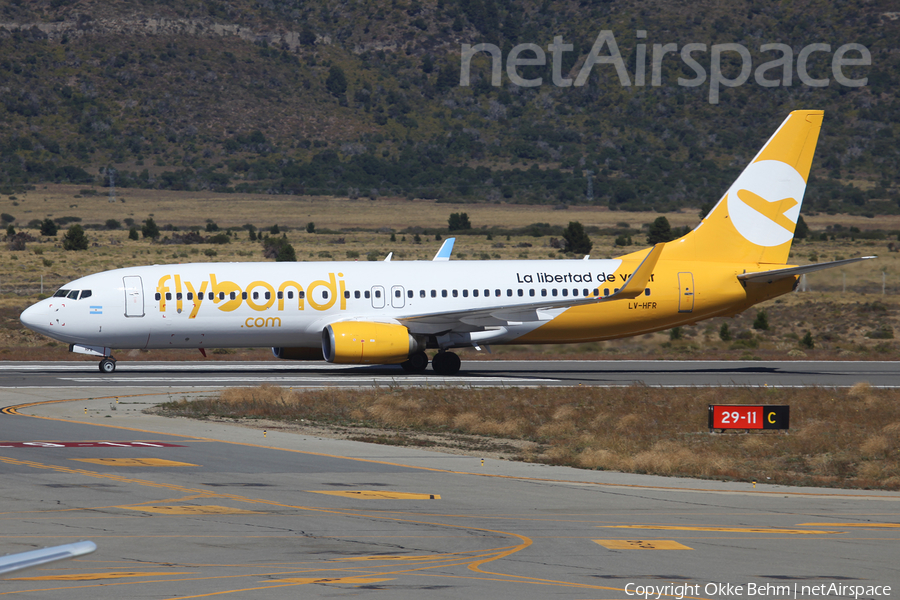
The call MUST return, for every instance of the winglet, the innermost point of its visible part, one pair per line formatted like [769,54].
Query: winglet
[636,284]
[388,257]
[445,251]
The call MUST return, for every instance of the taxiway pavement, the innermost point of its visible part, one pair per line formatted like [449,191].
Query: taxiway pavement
[187,509]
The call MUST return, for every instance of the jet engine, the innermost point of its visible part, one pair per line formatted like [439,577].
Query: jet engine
[361,342]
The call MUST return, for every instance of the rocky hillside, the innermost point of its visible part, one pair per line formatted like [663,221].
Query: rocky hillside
[363,97]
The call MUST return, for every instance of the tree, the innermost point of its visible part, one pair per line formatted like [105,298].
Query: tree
[74,239]
[279,249]
[10,230]
[802,230]
[336,81]
[724,333]
[660,231]
[807,341]
[133,234]
[761,321]
[458,222]
[310,227]
[112,224]
[49,228]
[150,229]
[577,240]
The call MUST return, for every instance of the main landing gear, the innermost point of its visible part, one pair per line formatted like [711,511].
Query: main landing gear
[443,363]
[108,365]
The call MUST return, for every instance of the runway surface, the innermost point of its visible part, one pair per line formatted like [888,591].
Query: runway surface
[184,509]
[205,374]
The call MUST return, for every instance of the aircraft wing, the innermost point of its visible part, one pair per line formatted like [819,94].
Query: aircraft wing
[538,310]
[34,558]
[779,274]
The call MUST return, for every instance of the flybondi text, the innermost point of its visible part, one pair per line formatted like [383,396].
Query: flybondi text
[705,61]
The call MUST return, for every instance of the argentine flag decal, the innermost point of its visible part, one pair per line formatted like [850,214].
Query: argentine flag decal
[96,310]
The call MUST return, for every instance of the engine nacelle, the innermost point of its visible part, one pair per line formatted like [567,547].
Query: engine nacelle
[361,342]
[297,353]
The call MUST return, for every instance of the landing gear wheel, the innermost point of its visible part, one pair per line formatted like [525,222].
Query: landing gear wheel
[107,365]
[417,363]
[446,363]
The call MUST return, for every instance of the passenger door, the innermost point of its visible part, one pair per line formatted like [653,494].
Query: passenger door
[134,296]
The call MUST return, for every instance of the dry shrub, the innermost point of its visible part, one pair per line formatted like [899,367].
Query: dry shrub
[555,430]
[871,469]
[876,446]
[565,413]
[466,421]
[597,458]
[859,390]
[665,458]
[438,419]
[601,421]
[628,422]
[756,445]
[558,455]
[512,428]
[892,430]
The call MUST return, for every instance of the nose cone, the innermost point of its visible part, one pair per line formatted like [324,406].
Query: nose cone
[34,317]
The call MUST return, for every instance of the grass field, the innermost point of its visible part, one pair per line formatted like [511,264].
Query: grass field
[843,309]
[837,437]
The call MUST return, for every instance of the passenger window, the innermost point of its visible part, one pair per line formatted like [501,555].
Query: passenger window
[221,295]
[409,293]
[87,293]
[61,293]
[606,291]
[396,293]
[157,297]
[190,295]
[646,291]
[543,292]
[168,295]
[233,295]
[553,292]
[434,293]
[73,295]
[356,294]
[178,296]
[521,293]
[455,293]
[474,293]
[531,292]
[255,295]
[290,294]
[268,295]
[301,294]
[509,293]
[367,294]
[465,293]
[421,293]
[346,294]
[487,293]
[210,296]
[565,292]
[280,295]
[443,293]
[378,293]
[324,295]
[497,293]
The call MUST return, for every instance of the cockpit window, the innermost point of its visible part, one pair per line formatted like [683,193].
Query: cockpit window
[61,293]
[85,294]
[73,295]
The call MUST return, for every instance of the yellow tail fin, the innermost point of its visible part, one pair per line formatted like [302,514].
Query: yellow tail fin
[754,221]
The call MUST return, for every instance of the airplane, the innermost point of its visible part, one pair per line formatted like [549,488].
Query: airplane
[391,312]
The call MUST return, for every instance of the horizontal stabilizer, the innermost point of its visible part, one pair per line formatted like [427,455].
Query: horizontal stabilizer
[779,274]
[34,558]
[635,285]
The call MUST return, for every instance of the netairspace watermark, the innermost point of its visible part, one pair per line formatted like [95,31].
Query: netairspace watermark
[605,51]
[678,591]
